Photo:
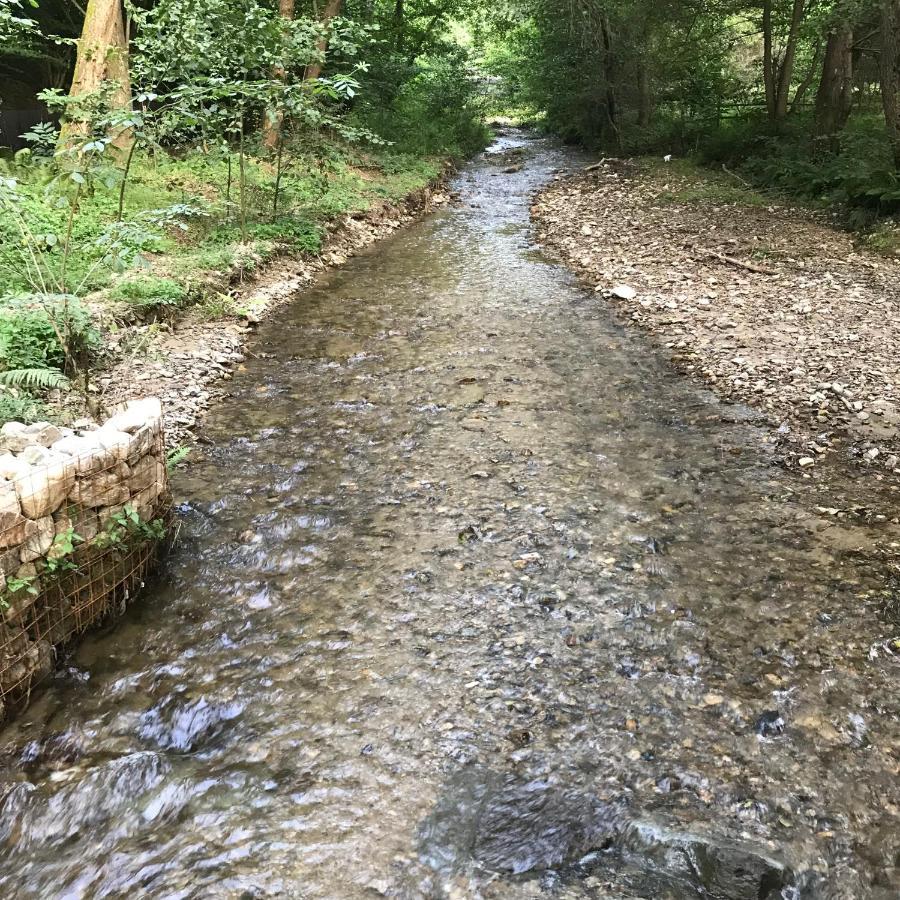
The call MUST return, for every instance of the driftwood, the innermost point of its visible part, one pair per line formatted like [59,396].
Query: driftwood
[739,263]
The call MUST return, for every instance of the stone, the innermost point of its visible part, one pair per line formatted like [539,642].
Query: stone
[624,292]
[146,472]
[84,522]
[21,603]
[38,539]
[43,433]
[135,415]
[35,455]
[118,442]
[108,488]
[12,467]
[45,489]
[13,437]
[805,461]
[147,500]
[145,440]
[87,452]
[12,523]
[9,562]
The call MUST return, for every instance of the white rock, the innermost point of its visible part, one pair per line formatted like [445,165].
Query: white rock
[38,539]
[806,461]
[136,414]
[87,453]
[34,454]
[624,292]
[12,523]
[109,488]
[43,433]
[46,487]
[12,468]
[116,441]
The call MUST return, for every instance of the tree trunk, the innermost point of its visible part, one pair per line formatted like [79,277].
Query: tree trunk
[768,61]
[645,103]
[332,9]
[890,73]
[835,94]
[102,55]
[399,25]
[786,70]
[808,78]
[609,76]
[275,117]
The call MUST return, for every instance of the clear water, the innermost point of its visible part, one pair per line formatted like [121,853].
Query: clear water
[474,597]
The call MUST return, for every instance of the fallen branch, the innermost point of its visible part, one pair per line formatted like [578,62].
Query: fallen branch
[734,261]
[743,181]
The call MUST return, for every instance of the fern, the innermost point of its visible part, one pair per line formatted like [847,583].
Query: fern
[34,379]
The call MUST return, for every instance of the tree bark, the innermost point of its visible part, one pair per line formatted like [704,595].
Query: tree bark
[274,118]
[786,69]
[102,55]
[835,94]
[808,78]
[768,60]
[890,73]
[645,103]
[332,9]
[609,77]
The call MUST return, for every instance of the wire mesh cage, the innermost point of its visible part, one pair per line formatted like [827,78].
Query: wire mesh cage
[82,522]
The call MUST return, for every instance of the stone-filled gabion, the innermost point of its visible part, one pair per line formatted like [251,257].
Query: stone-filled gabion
[55,483]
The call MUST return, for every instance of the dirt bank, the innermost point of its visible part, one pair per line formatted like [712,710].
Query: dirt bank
[763,302]
[187,362]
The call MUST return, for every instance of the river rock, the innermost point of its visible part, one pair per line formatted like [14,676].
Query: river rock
[12,523]
[43,433]
[108,488]
[11,467]
[39,536]
[136,414]
[46,487]
[146,472]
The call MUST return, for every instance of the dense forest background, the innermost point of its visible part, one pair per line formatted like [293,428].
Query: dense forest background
[148,144]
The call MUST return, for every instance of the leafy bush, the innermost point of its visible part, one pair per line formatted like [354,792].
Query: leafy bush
[31,326]
[150,291]
[434,112]
[18,406]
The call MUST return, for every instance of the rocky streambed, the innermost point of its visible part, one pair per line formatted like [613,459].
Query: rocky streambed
[476,596]
[766,303]
[188,361]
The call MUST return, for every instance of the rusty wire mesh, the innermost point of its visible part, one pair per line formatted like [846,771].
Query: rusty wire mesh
[46,604]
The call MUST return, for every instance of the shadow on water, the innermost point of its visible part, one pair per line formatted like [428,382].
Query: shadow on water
[476,598]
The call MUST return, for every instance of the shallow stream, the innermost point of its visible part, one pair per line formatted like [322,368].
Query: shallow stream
[474,597]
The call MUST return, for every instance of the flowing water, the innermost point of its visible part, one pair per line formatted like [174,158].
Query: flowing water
[474,598]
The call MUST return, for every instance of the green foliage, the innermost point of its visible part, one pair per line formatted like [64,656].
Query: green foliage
[31,331]
[33,379]
[20,406]
[176,456]
[150,291]
[127,527]
[435,109]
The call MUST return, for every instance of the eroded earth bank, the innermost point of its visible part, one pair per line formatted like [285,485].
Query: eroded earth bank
[476,597]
